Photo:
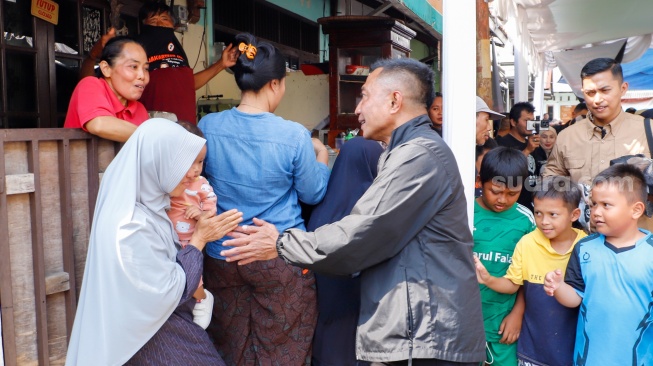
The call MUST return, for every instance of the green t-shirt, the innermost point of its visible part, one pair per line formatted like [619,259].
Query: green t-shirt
[495,236]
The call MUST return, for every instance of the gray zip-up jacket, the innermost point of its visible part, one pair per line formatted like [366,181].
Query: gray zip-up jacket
[408,236]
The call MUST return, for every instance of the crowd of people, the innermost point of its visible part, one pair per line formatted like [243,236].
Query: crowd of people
[563,211]
[199,253]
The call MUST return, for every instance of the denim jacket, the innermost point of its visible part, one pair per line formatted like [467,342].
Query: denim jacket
[262,165]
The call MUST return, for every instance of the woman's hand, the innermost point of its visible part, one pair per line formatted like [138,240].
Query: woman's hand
[213,228]
[321,153]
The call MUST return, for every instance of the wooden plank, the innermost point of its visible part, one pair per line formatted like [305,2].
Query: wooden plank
[57,337]
[57,282]
[46,233]
[19,183]
[57,340]
[51,203]
[22,281]
[6,290]
[38,258]
[80,204]
[36,134]
[93,176]
[67,243]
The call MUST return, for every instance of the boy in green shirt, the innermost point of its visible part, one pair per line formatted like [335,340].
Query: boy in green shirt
[499,223]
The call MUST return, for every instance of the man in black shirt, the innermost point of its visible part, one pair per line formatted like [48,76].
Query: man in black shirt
[524,140]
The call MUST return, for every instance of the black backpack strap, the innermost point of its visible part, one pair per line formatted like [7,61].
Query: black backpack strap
[649,135]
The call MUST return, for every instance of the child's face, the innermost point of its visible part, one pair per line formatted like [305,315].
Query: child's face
[499,197]
[191,174]
[611,213]
[553,217]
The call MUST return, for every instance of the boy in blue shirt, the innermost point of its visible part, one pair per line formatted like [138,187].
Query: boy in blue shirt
[499,223]
[610,275]
[548,330]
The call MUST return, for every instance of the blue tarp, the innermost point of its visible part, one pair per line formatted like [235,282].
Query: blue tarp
[639,73]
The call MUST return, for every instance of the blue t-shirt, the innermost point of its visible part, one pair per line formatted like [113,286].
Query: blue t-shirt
[262,165]
[615,321]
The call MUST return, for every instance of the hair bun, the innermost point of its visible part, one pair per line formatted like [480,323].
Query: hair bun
[257,64]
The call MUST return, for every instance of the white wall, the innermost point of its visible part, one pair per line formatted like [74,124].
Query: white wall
[306,100]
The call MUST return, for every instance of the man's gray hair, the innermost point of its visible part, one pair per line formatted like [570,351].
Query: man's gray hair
[413,76]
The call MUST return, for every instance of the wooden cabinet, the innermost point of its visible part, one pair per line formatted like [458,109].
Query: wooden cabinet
[355,42]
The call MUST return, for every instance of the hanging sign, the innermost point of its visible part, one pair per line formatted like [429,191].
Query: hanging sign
[46,10]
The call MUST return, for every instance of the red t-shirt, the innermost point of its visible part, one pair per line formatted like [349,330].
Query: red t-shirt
[93,97]
[172,89]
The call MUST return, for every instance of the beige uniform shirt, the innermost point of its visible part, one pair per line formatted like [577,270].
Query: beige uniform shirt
[581,153]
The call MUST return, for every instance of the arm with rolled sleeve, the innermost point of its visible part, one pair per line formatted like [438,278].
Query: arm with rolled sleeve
[555,165]
[310,177]
[410,188]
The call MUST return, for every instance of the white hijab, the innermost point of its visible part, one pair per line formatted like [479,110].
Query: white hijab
[132,282]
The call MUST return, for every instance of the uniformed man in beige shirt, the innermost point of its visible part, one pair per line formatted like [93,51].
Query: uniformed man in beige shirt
[586,148]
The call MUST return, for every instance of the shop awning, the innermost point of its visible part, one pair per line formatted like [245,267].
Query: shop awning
[539,26]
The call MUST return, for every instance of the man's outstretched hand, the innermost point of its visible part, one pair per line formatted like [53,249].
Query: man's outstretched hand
[252,243]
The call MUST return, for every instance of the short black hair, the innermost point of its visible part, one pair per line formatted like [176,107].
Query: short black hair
[152,7]
[628,177]
[558,188]
[268,64]
[515,111]
[599,65]
[631,110]
[580,107]
[504,165]
[408,70]
[112,50]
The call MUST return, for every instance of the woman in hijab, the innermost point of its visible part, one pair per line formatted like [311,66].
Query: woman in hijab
[136,303]
[338,298]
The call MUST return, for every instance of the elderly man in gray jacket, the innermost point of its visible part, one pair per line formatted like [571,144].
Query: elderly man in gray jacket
[407,235]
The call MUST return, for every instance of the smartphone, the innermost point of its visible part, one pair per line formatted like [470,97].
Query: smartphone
[537,126]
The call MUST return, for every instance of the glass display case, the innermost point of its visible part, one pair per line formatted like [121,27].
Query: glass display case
[355,43]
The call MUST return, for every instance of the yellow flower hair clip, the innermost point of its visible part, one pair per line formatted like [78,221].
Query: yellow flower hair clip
[248,49]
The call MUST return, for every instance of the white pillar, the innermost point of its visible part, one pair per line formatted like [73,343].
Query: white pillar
[459,89]
[521,61]
[521,75]
[538,93]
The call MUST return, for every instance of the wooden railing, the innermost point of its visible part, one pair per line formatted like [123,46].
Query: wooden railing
[49,179]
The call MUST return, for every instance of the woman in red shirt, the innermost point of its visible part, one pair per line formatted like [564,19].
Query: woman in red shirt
[107,105]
